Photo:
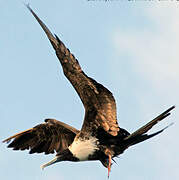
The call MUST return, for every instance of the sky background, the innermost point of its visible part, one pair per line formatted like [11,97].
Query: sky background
[131,47]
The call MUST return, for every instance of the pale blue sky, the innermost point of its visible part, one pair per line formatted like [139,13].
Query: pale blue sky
[130,47]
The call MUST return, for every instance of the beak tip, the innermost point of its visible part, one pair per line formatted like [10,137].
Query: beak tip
[42,167]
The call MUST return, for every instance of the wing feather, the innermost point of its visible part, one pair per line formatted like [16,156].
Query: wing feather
[48,137]
[99,103]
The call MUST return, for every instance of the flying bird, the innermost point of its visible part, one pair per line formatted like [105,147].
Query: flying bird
[100,138]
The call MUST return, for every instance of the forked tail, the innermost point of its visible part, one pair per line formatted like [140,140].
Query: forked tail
[140,135]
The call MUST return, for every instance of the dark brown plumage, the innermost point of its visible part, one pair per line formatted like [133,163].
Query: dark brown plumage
[47,137]
[100,137]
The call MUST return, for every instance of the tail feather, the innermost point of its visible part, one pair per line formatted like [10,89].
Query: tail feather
[139,135]
[141,138]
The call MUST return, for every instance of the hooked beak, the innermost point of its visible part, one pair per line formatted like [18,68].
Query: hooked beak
[65,155]
[53,161]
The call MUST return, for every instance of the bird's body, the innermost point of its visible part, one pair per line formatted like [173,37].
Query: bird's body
[100,137]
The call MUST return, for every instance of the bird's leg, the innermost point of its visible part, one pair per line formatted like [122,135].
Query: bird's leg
[109,164]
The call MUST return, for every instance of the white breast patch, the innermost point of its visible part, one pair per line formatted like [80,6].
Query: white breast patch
[83,148]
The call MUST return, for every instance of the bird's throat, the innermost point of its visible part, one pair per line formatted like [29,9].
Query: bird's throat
[83,148]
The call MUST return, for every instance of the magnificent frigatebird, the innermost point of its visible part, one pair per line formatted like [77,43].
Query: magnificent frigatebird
[100,137]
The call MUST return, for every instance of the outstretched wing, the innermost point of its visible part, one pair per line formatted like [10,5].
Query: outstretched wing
[99,103]
[47,137]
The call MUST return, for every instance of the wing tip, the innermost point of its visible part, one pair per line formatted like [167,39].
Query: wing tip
[27,5]
[6,140]
[14,136]
[50,36]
